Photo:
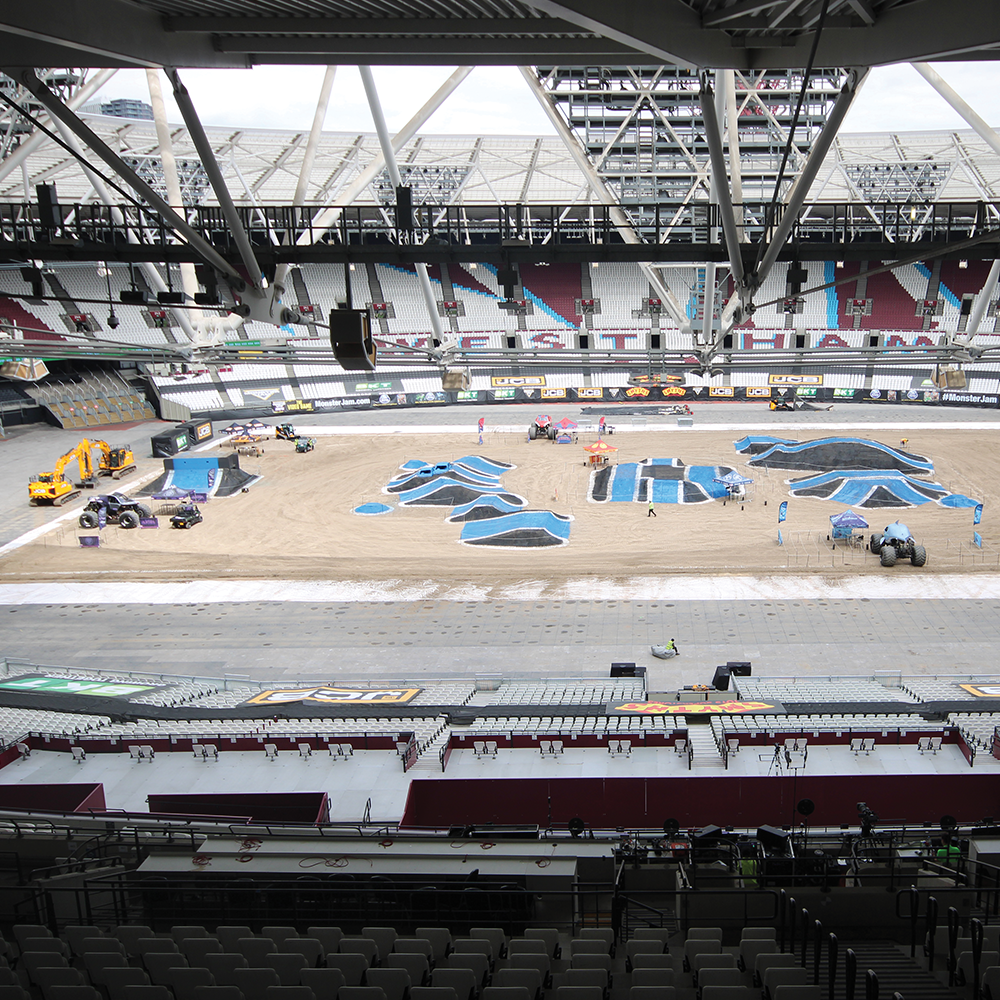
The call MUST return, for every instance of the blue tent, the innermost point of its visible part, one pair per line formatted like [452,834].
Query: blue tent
[848,519]
[733,479]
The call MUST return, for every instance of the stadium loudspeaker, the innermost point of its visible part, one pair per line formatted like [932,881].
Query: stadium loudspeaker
[721,679]
[727,342]
[654,341]
[739,668]
[583,341]
[404,208]
[707,835]
[48,206]
[512,343]
[773,840]
[455,381]
[507,276]
[351,340]
[623,670]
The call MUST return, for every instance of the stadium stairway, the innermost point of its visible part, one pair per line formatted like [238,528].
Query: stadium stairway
[704,749]
[896,972]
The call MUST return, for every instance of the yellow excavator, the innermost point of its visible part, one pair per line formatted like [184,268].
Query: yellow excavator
[54,488]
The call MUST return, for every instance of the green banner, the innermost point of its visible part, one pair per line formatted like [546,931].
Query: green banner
[69,685]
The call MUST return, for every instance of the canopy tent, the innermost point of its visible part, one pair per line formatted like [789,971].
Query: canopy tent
[843,525]
[233,429]
[736,485]
[733,479]
[848,519]
[566,424]
[599,451]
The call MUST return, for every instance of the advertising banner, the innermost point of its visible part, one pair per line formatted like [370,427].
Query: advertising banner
[336,696]
[67,685]
[695,708]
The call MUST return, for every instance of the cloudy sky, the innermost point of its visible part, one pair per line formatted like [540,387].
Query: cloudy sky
[496,101]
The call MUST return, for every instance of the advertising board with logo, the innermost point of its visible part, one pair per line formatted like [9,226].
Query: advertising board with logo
[553,393]
[590,392]
[68,685]
[794,379]
[328,695]
[722,391]
[758,392]
[517,381]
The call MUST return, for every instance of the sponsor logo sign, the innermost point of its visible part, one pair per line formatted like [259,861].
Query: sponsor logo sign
[261,393]
[675,390]
[66,685]
[722,390]
[844,393]
[242,343]
[467,395]
[636,391]
[803,390]
[553,393]
[697,708]
[335,696]
[968,398]
[590,392]
[203,431]
[292,406]
[517,381]
[430,397]
[505,393]
[371,386]
[979,690]
[758,392]
[794,379]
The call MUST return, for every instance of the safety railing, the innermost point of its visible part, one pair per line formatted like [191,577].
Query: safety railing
[470,225]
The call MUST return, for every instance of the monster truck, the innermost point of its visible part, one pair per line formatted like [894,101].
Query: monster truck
[896,542]
[118,509]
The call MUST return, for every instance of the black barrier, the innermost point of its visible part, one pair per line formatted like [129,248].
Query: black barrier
[643,400]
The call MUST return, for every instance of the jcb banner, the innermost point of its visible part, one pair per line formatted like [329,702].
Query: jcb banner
[335,696]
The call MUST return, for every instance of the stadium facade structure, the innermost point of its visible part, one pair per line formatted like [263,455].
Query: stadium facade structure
[607,319]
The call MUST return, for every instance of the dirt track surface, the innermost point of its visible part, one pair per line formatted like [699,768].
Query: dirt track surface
[297,523]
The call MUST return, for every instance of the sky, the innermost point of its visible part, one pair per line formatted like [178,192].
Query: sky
[495,100]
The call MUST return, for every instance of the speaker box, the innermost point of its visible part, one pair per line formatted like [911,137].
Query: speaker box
[739,668]
[507,277]
[455,381]
[721,679]
[773,840]
[404,208]
[351,340]
[48,205]
[623,670]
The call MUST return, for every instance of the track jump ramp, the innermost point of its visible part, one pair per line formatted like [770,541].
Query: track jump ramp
[828,454]
[216,476]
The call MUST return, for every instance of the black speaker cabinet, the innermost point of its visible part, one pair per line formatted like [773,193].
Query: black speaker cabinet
[351,340]
[773,840]
[507,277]
[739,668]
[721,679]
[404,208]
[48,206]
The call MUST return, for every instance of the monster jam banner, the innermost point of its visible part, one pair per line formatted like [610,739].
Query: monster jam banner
[663,705]
[978,514]
[782,511]
[336,696]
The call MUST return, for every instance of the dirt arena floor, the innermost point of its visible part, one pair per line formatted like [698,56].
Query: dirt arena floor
[297,523]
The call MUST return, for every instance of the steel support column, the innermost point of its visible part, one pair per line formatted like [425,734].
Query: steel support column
[810,168]
[988,135]
[713,135]
[324,220]
[309,157]
[149,270]
[170,179]
[91,87]
[733,137]
[600,188]
[60,112]
[982,301]
[215,178]
[385,141]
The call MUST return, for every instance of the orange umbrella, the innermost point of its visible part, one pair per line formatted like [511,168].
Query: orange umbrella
[600,448]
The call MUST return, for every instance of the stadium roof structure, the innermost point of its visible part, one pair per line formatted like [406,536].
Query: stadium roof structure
[261,167]
[741,34]
[693,135]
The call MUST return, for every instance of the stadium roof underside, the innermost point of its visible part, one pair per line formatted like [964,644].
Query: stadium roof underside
[740,34]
